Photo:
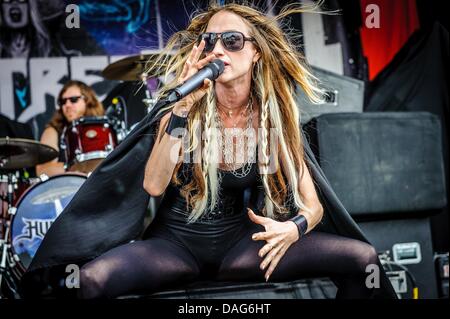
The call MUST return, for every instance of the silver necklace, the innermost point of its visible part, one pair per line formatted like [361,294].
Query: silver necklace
[227,151]
[228,113]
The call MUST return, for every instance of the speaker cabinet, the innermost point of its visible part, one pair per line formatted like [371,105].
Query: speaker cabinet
[343,94]
[382,163]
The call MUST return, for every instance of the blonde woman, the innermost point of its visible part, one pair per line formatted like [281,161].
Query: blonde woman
[251,219]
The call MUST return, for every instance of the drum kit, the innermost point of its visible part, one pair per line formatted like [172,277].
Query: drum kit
[132,69]
[29,205]
[87,141]
[24,216]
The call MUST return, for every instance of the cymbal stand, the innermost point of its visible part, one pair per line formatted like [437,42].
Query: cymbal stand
[149,101]
[7,260]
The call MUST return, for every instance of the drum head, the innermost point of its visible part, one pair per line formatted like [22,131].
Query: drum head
[37,209]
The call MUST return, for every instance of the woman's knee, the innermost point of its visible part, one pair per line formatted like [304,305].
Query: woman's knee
[91,285]
[363,256]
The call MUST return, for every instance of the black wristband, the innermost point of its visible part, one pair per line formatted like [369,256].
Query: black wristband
[302,224]
[175,122]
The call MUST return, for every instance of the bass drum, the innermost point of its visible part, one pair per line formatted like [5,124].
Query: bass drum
[36,210]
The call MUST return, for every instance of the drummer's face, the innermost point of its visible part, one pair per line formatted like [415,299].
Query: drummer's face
[73,111]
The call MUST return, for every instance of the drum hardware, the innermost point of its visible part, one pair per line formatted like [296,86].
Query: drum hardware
[12,211]
[118,117]
[149,101]
[134,68]
[43,177]
[121,133]
[8,260]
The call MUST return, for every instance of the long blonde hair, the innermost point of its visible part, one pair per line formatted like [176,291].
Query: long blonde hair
[276,75]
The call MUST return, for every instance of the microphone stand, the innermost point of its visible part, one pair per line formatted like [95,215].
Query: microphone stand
[149,101]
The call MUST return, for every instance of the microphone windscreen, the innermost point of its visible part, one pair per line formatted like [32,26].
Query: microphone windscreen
[217,66]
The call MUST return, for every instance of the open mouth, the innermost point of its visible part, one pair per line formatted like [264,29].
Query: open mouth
[15,14]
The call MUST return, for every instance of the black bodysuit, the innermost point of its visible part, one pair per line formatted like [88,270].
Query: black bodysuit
[219,247]
[209,238]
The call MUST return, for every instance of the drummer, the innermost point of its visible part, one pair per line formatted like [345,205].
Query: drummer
[75,100]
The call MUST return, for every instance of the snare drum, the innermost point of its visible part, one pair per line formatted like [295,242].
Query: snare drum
[35,212]
[87,141]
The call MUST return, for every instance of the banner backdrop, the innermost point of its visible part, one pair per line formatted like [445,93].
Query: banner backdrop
[41,45]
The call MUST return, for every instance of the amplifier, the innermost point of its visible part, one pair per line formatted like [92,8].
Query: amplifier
[382,163]
[343,94]
[406,248]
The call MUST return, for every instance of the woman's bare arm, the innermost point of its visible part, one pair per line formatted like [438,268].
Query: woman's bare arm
[310,198]
[161,164]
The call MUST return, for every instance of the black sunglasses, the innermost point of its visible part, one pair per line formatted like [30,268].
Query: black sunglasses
[231,40]
[72,99]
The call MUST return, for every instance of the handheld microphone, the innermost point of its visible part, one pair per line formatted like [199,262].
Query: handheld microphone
[210,71]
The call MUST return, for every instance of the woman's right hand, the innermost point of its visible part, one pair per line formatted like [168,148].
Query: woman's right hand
[192,66]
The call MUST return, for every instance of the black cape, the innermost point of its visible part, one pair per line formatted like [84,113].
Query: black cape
[109,208]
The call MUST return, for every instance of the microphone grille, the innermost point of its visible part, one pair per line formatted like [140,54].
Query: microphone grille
[217,66]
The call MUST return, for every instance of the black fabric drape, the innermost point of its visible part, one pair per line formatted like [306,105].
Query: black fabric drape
[14,129]
[417,80]
[109,209]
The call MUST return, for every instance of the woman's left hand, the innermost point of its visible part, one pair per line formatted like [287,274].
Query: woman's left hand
[279,237]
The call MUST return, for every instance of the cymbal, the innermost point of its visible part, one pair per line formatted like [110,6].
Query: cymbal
[16,153]
[128,69]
